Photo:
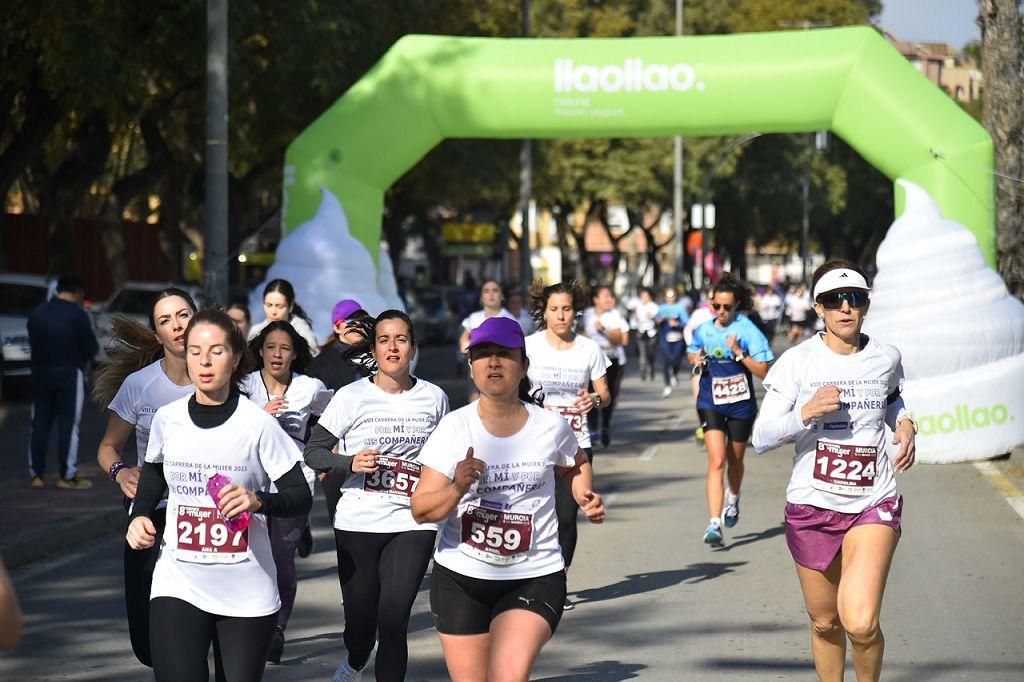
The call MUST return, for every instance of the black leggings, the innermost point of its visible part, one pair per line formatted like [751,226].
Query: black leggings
[182,635]
[567,510]
[380,576]
[138,580]
[602,418]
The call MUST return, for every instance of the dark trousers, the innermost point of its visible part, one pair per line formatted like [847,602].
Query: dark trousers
[139,565]
[567,512]
[57,394]
[380,576]
[331,484]
[601,419]
[182,636]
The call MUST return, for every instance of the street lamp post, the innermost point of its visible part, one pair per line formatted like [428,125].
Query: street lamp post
[215,271]
[677,180]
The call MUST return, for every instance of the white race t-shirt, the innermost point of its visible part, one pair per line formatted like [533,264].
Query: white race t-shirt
[201,561]
[504,527]
[306,397]
[560,374]
[841,461]
[364,417]
[474,320]
[610,321]
[645,314]
[140,396]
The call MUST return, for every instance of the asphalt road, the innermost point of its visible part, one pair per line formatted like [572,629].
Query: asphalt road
[654,603]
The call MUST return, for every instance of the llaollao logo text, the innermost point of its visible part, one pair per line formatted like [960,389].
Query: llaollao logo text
[633,75]
[963,417]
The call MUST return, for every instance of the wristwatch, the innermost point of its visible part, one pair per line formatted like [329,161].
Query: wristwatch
[596,397]
[739,356]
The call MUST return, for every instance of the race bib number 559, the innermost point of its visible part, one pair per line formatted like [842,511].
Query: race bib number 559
[203,538]
[497,537]
[844,469]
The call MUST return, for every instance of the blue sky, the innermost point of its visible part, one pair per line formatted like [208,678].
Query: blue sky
[943,21]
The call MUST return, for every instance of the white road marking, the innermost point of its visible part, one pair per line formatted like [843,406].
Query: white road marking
[1011,493]
[677,422]
[649,453]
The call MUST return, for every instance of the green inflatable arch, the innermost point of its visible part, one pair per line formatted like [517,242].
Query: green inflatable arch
[847,80]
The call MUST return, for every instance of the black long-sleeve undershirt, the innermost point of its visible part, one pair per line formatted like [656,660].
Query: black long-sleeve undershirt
[320,456]
[291,499]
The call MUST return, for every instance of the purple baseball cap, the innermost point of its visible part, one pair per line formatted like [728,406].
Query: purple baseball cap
[501,331]
[344,309]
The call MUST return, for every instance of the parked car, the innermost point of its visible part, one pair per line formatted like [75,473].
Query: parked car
[134,299]
[19,294]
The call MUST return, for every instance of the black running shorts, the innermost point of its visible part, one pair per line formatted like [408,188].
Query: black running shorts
[739,430]
[465,606]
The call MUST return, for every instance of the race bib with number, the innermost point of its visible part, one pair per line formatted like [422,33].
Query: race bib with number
[203,538]
[395,479]
[844,469]
[497,537]
[731,389]
[571,415]
[673,336]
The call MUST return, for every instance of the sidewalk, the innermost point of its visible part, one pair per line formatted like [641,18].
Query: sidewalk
[35,524]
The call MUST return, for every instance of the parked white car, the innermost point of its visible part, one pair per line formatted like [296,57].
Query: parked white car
[134,299]
[19,295]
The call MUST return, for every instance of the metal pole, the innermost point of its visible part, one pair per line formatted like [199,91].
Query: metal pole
[805,225]
[735,144]
[216,237]
[677,182]
[525,184]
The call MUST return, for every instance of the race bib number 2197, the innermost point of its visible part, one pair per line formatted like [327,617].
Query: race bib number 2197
[203,538]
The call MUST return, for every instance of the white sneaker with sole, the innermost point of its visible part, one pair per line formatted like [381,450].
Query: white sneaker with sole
[666,392]
[346,673]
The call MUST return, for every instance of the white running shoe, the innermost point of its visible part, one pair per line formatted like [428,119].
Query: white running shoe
[666,392]
[673,380]
[346,673]
[731,510]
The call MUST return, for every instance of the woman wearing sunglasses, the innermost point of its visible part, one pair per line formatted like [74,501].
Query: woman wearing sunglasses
[833,395]
[727,350]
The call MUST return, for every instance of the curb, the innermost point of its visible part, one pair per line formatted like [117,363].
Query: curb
[39,543]
[1017,457]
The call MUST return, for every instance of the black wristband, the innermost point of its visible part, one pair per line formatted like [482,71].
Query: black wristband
[115,468]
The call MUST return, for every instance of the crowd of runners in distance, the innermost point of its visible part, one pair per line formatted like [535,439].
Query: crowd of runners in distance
[235,425]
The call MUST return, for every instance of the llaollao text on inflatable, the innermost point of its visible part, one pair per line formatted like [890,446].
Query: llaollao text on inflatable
[960,331]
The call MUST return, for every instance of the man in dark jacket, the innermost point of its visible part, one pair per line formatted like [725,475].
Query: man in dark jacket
[63,343]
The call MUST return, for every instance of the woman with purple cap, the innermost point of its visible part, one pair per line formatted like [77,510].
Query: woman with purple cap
[333,368]
[833,395]
[489,469]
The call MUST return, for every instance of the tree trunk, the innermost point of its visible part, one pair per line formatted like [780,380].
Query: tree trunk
[69,182]
[1003,116]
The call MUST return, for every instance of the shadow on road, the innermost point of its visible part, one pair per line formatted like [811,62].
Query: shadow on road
[599,671]
[749,538]
[640,583]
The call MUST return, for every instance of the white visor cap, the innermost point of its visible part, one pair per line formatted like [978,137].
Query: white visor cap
[842,278]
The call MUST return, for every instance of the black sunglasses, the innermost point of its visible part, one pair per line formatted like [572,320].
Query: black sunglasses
[833,300]
[719,306]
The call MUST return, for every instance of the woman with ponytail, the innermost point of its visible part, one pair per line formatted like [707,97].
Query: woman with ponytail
[146,371]
[279,304]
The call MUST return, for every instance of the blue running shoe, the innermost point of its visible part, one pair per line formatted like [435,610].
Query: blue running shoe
[731,512]
[713,535]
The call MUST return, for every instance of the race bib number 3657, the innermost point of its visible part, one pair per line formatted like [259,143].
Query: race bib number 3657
[203,538]
[844,468]
[497,537]
[395,478]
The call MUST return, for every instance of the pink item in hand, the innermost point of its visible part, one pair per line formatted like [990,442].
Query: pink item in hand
[214,487]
